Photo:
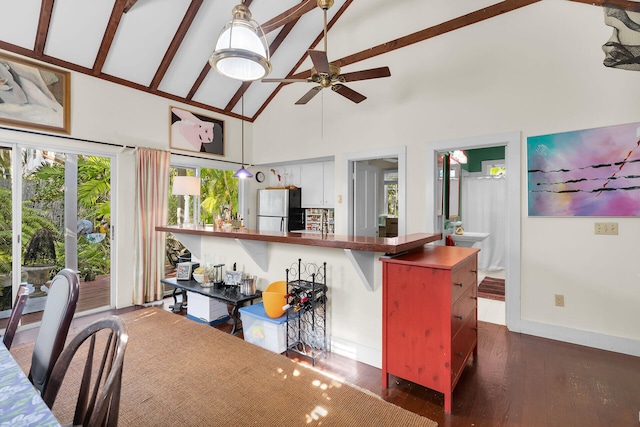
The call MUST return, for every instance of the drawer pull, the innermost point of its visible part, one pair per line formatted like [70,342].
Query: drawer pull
[474,329]
[460,354]
[474,271]
[458,284]
[458,317]
[474,297]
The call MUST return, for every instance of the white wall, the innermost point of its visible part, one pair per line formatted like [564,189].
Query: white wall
[537,70]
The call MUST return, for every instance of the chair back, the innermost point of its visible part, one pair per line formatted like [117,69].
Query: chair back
[59,309]
[16,314]
[98,400]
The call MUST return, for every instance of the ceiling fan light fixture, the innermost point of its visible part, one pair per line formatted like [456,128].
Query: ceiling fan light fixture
[242,51]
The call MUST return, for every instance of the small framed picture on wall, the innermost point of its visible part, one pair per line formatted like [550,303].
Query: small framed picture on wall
[195,132]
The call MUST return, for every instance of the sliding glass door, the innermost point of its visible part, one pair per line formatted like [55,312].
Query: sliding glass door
[65,214]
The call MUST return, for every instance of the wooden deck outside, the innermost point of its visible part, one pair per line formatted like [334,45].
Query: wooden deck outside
[93,294]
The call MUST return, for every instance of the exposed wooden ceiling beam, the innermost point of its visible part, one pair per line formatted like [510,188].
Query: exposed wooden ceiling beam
[109,35]
[427,33]
[129,5]
[189,16]
[292,14]
[43,27]
[618,4]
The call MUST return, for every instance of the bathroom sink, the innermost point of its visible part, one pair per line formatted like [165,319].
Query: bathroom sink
[469,238]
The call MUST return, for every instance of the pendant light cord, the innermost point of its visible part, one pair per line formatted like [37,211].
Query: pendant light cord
[242,115]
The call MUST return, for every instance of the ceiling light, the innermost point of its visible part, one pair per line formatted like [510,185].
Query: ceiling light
[242,52]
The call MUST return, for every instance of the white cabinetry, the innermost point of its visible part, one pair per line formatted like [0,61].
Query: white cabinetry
[316,181]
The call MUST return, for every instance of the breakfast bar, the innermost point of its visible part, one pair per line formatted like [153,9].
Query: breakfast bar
[360,250]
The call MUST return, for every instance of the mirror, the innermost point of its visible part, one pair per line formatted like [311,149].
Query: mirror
[450,176]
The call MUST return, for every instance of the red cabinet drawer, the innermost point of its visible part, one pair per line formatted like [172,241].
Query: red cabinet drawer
[462,308]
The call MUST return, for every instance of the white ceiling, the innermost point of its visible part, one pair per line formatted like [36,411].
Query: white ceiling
[143,35]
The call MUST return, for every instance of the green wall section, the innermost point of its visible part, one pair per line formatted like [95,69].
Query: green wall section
[476,156]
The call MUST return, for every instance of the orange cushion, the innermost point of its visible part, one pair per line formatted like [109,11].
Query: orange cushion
[273,298]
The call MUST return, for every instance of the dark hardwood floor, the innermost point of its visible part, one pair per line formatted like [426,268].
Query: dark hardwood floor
[517,380]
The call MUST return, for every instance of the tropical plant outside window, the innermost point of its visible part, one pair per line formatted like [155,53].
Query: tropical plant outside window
[218,194]
[94,209]
[43,216]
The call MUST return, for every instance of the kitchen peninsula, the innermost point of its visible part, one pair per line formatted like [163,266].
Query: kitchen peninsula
[360,250]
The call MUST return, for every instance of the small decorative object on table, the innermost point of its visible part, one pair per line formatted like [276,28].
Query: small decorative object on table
[184,270]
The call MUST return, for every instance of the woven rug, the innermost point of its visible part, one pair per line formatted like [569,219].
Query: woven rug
[181,373]
[491,288]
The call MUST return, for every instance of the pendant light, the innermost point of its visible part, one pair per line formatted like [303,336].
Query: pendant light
[242,51]
[242,172]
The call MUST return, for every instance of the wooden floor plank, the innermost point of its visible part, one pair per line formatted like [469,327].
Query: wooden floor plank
[516,381]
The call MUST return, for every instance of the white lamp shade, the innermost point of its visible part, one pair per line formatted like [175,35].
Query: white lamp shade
[186,185]
[241,50]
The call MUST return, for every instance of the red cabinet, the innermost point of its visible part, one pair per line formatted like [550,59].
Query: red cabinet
[430,322]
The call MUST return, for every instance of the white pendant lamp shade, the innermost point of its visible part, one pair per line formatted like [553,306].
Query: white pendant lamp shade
[242,52]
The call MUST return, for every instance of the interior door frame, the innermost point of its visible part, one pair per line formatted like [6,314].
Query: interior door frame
[347,184]
[512,142]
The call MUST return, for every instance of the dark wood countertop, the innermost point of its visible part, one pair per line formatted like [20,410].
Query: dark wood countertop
[388,245]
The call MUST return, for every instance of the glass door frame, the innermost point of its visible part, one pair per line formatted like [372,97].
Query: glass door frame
[16,198]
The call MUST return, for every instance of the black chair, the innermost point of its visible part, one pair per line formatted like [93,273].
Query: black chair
[98,399]
[59,309]
[16,314]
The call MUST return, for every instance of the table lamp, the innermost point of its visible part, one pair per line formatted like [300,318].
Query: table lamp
[186,186]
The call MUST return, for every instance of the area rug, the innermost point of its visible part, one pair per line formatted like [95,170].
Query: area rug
[491,288]
[181,373]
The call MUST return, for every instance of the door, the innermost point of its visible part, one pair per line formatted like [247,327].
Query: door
[273,202]
[272,223]
[365,212]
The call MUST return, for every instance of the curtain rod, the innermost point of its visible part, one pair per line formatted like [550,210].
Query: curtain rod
[32,132]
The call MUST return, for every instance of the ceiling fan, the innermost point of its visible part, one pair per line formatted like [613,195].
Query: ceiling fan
[326,74]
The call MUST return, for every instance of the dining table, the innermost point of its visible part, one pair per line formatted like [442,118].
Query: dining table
[20,402]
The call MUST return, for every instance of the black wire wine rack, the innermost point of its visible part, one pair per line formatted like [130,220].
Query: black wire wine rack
[307,309]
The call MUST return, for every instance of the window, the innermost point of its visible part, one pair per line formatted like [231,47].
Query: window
[218,195]
[390,178]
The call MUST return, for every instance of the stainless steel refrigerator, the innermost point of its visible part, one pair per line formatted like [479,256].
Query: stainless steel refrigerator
[279,210]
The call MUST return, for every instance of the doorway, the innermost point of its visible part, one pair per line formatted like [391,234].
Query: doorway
[58,208]
[511,142]
[395,156]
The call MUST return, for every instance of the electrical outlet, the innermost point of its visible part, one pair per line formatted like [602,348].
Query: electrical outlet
[559,300]
[339,198]
[610,228]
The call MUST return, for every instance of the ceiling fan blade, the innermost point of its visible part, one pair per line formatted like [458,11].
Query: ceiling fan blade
[320,61]
[373,73]
[348,93]
[307,96]
[285,80]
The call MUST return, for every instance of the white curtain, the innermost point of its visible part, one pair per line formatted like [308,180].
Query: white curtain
[152,195]
[484,209]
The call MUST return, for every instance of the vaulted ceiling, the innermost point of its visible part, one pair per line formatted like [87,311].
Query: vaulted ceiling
[162,46]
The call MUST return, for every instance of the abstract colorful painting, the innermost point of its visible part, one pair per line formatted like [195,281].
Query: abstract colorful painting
[592,172]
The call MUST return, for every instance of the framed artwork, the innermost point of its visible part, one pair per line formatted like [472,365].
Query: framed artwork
[184,270]
[593,172]
[33,95]
[195,132]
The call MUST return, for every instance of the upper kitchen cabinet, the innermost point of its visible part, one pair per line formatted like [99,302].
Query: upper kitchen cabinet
[317,182]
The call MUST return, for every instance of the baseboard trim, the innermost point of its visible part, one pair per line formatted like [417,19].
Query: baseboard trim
[361,353]
[580,337]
